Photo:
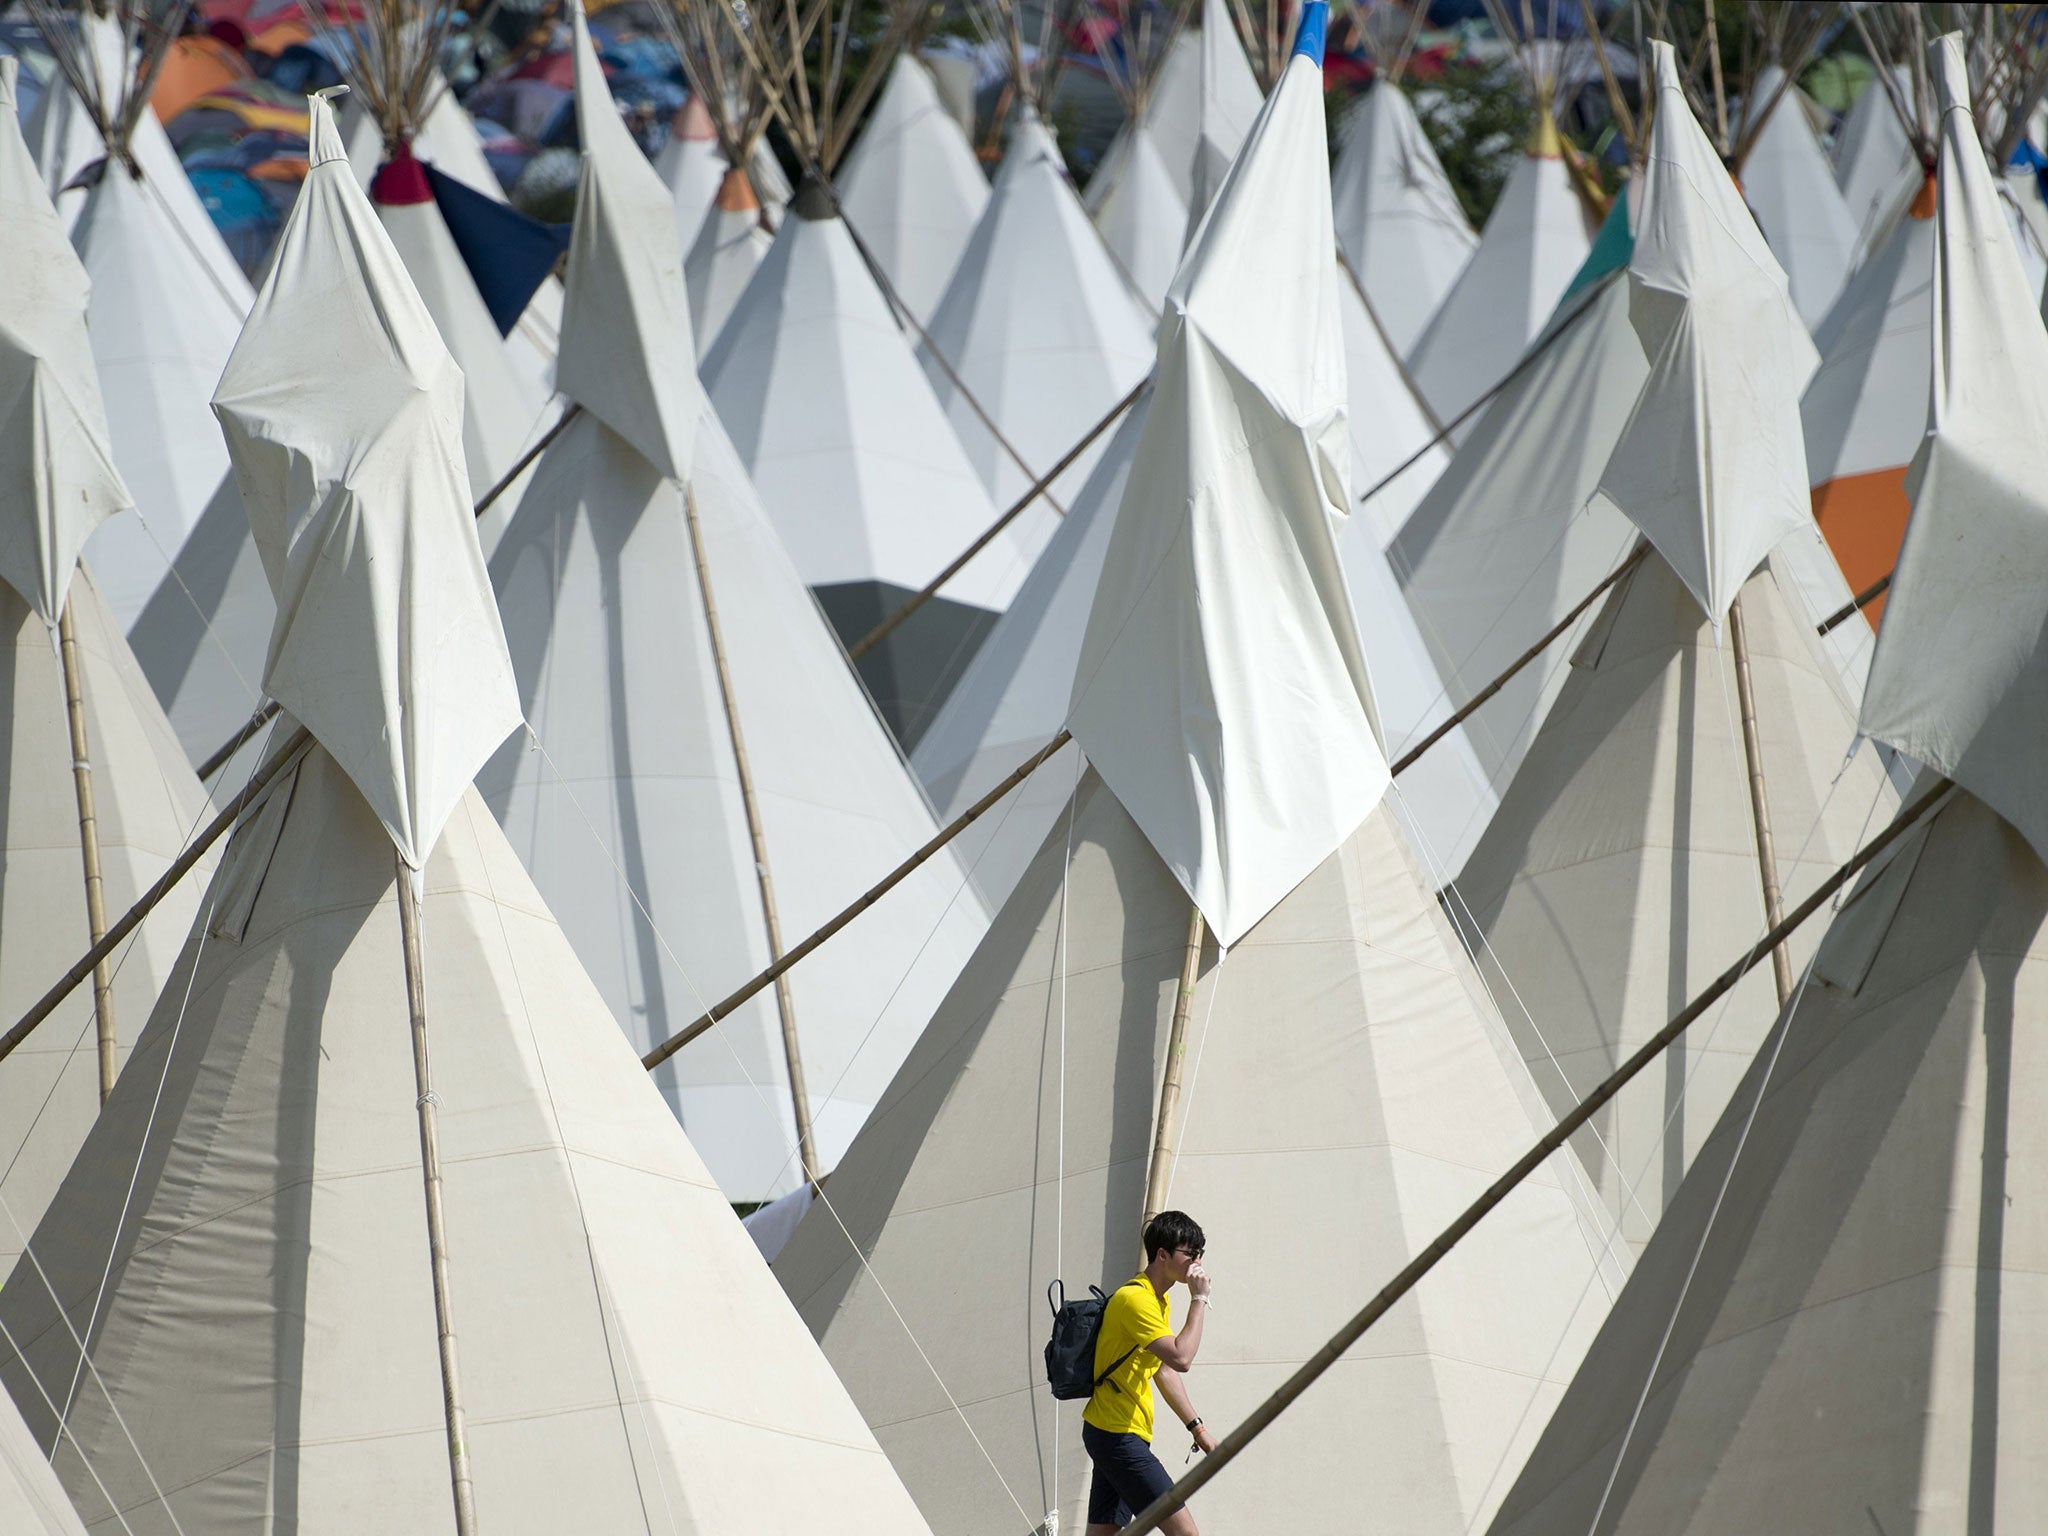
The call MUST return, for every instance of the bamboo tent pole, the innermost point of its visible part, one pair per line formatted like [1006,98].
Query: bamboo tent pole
[874,893]
[785,1004]
[918,599]
[1166,1127]
[1547,1146]
[89,850]
[1855,605]
[1759,800]
[461,1485]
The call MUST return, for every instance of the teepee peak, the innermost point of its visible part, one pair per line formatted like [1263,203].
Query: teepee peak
[626,319]
[1728,359]
[1222,570]
[1959,679]
[349,458]
[59,481]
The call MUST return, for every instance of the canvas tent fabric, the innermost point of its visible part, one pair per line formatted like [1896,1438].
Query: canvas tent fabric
[691,164]
[1848,1333]
[1144,218]
[1509,539]
[1865,410]
[57,476]
[1791,188]
[1504,543]
[1620,876]
[1956,682]
[1398,220]
[912,187]
[168,298]
[349,459]
[1533,243]
[643,1370]
[1012,697]
[32,1501]
[629,809]
[65,139]
[626,318]
[1172,113]
[863,478]
[54,457]
[729,249]
[1339,1044]
[1227,102]
[628,805]
[502,403]
[1874,159]
[1728,357]
[1444,799]
[1040,326]
[1235,484]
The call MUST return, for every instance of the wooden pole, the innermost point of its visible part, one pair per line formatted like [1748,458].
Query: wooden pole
[1759,801]
[1166,1127]
[430,1170]
[165,884]
[1855,605]
[505,480]
[241,738]
[1288,1391]
[874,893]
[1465,710]
[924,595]
[785,1005]
[89,851]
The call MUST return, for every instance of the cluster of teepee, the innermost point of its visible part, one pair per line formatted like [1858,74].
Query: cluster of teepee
[967,710]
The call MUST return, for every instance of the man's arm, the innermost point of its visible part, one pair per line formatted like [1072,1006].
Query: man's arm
[1178,1349]
[1174,1388]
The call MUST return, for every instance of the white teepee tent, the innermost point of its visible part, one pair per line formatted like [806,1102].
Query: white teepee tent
[1628,863]
[59,482]
[912,187]
[1226,101]
[167,296]
[1866,407]
[1144,217]
[634,812]
[692,166]
[1875,158]
[1041,326]
[1397,218]
[1835,1323]
[1330,1054]
[834,420]
[264,1171]
[1535,239]
[1788,184]
[728,251]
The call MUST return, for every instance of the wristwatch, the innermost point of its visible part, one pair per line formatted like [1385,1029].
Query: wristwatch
[1194,1424]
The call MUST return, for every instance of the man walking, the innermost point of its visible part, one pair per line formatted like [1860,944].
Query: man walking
[1136,1344]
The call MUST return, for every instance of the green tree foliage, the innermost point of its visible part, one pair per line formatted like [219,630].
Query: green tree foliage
[1478,116]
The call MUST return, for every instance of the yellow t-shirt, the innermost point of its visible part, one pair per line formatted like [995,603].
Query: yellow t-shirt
[1135,1316]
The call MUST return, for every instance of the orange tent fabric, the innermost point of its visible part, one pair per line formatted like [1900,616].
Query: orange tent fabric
[1863,518]
[193,67]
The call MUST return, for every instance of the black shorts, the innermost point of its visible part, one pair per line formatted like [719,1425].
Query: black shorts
[1128,1477]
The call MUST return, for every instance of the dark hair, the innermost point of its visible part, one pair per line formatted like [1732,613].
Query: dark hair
[1170,1230]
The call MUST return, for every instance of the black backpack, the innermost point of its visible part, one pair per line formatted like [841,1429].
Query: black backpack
[1070,1353]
